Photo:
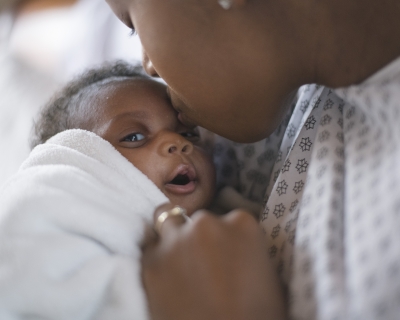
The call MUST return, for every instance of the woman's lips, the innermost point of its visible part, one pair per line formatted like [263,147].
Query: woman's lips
[184,120]
[178,105]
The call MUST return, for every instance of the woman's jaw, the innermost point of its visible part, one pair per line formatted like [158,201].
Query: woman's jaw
[244,122]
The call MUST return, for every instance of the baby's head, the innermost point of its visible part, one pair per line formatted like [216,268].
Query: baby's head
[132,112]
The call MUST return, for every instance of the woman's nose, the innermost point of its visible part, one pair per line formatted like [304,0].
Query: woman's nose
[174,143]
[148,65]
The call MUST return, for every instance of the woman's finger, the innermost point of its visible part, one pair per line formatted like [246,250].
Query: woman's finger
[217,262]
[165,221]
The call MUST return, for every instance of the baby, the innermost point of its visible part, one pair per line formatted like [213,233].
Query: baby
[109,150]
[133,113]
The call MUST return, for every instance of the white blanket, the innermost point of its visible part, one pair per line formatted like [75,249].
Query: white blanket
[71,223]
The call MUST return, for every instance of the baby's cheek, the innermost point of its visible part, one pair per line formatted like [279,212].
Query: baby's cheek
[149,166]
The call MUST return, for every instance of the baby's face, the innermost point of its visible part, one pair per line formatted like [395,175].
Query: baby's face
[136,117]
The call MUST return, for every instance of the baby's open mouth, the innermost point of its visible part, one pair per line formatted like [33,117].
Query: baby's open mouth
[180,180]
[183,181]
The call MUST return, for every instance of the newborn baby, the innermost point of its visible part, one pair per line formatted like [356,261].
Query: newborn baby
[133,113]
[109,149]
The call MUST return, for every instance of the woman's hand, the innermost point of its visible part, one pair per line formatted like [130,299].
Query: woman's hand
[212,268]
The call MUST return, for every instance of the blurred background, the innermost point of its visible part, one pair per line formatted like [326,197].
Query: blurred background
[43,44]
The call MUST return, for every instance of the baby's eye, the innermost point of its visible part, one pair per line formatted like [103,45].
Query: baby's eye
[190,135]
[133,137]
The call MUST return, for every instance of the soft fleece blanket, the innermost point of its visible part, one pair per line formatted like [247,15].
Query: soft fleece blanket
[71,223]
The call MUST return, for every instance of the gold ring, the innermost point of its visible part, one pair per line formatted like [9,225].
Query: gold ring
[175,211]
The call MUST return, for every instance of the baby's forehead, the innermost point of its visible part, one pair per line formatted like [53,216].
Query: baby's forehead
[116,95]
[130,89]
[109,96]
[136,84]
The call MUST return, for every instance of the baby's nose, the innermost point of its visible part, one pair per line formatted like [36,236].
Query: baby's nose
[175,143]
[186,148]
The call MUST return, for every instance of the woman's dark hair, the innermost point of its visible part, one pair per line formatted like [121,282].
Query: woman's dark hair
[57,115]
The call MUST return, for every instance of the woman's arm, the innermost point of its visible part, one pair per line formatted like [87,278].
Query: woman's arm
[213,268]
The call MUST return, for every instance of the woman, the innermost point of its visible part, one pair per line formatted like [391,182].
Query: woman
[336,178]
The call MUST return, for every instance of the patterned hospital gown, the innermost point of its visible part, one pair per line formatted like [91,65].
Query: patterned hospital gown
[332,204]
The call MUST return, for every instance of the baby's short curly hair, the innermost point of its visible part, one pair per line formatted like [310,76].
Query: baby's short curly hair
[57,115]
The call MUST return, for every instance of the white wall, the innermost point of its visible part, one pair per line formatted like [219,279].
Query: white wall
[41,51]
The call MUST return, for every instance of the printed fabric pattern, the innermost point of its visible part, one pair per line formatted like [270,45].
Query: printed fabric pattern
[332,208]
[247,166]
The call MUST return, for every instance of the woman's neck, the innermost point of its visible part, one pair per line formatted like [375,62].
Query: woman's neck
[361,37]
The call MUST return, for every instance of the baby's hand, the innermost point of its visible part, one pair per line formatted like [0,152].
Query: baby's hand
[229,199]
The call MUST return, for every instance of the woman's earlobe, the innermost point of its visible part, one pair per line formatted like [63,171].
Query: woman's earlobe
[228,4]
[225,4]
